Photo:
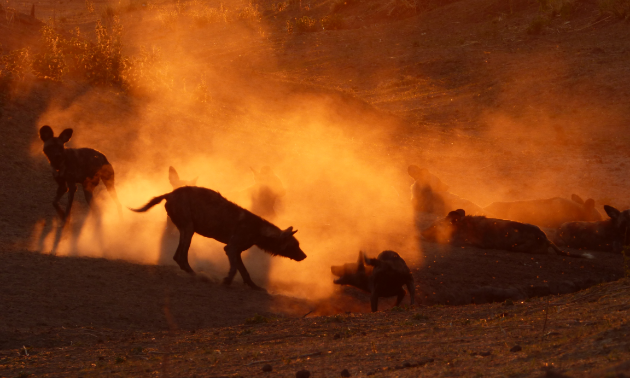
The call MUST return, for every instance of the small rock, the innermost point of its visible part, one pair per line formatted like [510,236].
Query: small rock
[337,336]
[516,348]
[481,354]
[303,374]
[267,368]
[407,365]
[345,373]
[425,361]
[370,373]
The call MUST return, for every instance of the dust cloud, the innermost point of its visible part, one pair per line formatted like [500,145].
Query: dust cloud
[203,110]
[346,188]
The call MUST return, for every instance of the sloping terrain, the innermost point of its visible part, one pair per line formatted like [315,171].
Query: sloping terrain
[503,100]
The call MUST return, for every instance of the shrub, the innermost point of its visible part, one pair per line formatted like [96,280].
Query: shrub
[248,14]
[16,64]
[279,7]
[203,16]
[306,24]
[89,6]
[103,61]
[140,71]
[50,63]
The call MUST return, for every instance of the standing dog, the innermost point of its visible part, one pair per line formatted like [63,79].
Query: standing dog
[385,277]
[72,166]
[206,212]
[170,236]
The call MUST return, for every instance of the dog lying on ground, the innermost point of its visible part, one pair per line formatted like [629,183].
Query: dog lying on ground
[383,277]
[607,235]
[551,212]
[460,229]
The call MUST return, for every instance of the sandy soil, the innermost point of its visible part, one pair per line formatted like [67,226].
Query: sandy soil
[462,89]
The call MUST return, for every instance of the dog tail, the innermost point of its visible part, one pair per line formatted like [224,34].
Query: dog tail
[151,203]
[568,254]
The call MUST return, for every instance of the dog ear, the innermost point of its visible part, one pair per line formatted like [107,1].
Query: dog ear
[612,212]
[46,132]
[575,198]
[289,231]
[173,177]
[589,203]
[65,135]
[361,262]
[456,215]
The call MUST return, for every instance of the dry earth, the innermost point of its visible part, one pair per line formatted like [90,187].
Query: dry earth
[460,87]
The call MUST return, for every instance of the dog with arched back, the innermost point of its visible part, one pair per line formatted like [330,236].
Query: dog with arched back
[72,166]
[551,212]
[612,234]
[430,195]
[460,230]
[383,276]
[207,213]
[170,236]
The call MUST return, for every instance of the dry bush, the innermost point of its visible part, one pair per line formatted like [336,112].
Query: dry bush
[306,24]
[249,14]
[89,6]
[15,64]
[202,15]
[279,7]
[145,73]
[50,63]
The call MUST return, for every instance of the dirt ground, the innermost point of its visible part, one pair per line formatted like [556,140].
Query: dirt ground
[459,87]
